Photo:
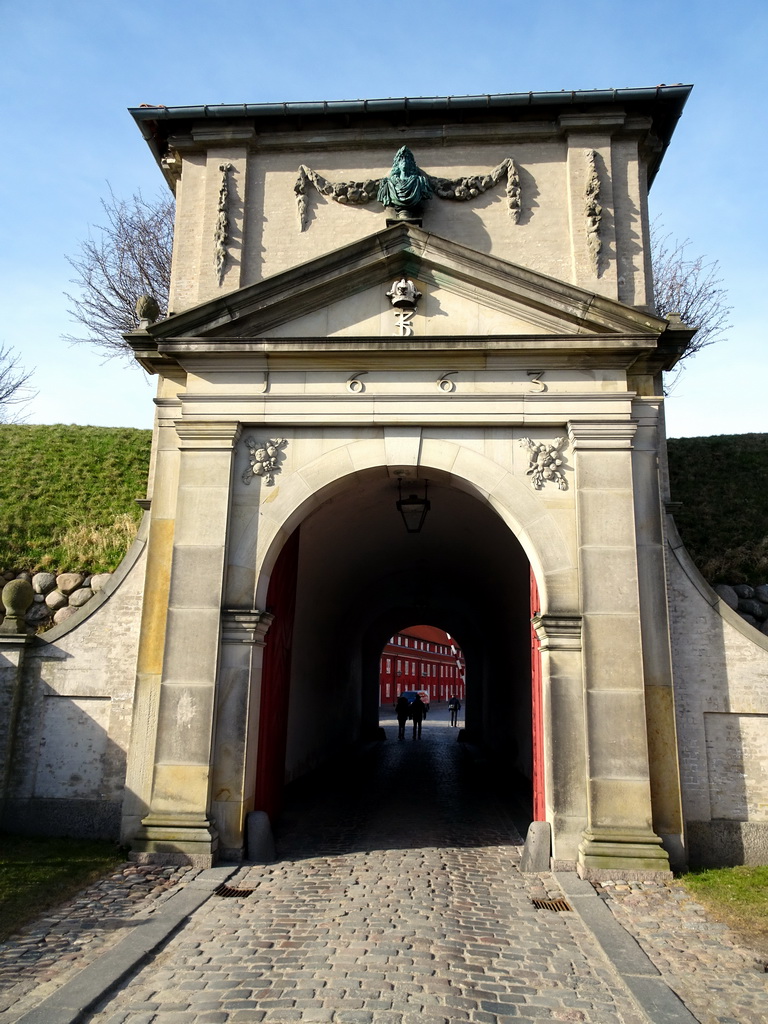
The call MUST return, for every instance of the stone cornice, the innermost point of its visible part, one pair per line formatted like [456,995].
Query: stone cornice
[598,124]
[441,120]
[245,626]
[408,251]
[207,435]
[15,641]
[633,352]
[347,140]
[240,135]
[625,348]
[558,632]
[199,139]
[601,436]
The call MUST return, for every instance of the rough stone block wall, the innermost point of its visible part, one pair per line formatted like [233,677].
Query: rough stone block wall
[721,696]
[67,773]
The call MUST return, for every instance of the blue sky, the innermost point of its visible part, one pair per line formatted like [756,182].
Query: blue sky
[70,71]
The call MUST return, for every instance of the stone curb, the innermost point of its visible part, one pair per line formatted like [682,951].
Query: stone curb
[652,994]
[79,995]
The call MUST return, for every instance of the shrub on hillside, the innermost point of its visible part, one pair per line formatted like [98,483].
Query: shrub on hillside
[722,483]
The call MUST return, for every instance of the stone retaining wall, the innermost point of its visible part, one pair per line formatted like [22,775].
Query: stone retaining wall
[57,597]
[720,665]
[751,603]
[69,706]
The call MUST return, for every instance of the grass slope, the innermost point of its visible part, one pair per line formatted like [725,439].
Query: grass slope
[67,495]
[67,499]
[722,483]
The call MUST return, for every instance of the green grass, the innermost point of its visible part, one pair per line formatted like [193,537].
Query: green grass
[68,495]
[37,874]
[736,896]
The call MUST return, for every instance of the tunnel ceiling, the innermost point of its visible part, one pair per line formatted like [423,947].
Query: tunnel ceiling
[356,553]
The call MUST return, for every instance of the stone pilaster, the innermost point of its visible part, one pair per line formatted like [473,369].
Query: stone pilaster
[565,763]
[243,633]
[12,650]
[633,250]
[619,837]
[178,826]
[591,223]
[162,495]
[210,234]
[654,618]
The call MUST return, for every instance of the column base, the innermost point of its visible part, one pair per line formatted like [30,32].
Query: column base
[634,854]
[175,840]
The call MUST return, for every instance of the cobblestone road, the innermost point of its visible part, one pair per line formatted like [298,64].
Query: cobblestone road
[719,980]
[397,898]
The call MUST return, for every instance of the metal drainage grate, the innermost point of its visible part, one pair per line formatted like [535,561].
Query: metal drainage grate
[551,904]
[226,891]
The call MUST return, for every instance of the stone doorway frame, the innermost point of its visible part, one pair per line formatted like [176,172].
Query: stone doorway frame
[559,626]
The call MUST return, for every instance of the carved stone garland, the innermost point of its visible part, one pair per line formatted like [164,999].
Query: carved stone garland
[593,211]
[221,232]
[358,193]
[544,464]
[264,457]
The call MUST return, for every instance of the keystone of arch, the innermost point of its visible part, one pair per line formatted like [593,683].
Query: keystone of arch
[472,472]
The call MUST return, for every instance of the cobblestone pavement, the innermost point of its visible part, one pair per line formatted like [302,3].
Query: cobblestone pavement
[49,951]
[719,980]
[397,898]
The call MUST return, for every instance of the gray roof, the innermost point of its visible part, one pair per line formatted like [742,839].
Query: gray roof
[662,103]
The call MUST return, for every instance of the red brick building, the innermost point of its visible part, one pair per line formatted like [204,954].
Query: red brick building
[422,658]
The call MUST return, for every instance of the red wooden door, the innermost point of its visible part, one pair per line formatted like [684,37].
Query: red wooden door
[539,806]
[275,680]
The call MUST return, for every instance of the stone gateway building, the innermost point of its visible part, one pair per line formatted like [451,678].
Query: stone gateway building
[443,301]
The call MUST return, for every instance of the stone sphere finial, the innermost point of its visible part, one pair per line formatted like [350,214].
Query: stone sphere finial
[147,310]
[17,597]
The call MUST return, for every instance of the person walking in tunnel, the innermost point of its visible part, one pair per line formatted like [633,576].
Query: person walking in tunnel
[417,715]
[454,706]
[402,711]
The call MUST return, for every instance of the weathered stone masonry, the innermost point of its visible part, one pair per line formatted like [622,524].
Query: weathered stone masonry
[495,346]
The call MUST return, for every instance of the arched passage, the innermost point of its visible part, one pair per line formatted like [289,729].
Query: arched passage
[360,577]
[420,657]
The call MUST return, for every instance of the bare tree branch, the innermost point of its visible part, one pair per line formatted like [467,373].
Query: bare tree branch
[129,256]
[690,286]
[14,385]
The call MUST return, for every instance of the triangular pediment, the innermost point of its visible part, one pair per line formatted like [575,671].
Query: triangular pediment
[342,295]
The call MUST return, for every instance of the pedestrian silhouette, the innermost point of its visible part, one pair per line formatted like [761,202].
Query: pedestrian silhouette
[403,712]
[454,706]
[417,714]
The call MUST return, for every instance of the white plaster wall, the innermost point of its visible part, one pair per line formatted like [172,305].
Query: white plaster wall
[75,716]
[720,666]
